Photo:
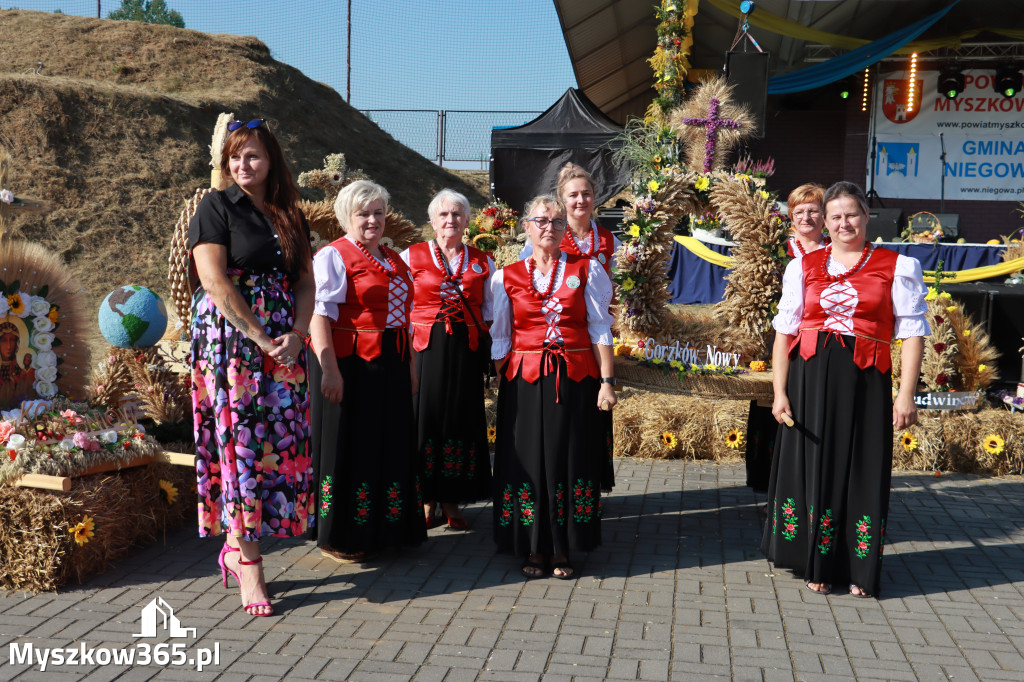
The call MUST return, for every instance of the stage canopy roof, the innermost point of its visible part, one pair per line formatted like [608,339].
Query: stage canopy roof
[609,41]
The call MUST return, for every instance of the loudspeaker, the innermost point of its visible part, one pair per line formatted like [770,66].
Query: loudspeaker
[748,72]
[997,308]
[884,223]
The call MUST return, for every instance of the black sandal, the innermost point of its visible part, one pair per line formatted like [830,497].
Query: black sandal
[537,566]
[565,566]
[862,595]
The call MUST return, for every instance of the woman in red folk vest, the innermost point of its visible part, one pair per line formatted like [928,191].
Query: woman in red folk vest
[577,190]
[552,345]
[451,426]
[363,434]
[829,491]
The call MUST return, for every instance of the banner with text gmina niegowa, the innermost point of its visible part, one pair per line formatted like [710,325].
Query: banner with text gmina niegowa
[982,130]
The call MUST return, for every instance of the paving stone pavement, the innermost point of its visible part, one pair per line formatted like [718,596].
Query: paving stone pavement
[678,591]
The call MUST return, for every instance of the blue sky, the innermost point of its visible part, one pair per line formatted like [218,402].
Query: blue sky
[406,54]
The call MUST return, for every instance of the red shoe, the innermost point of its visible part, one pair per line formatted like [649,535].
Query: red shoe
[459,523]
[224,570]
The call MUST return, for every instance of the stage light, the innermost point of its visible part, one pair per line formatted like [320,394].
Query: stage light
[1007,81]
[867,87]
[912,84]
[951,82]
[844,88]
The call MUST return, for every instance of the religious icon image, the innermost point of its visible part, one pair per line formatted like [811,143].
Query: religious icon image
[15,353]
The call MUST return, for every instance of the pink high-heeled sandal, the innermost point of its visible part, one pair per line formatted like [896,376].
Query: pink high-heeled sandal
[224,570]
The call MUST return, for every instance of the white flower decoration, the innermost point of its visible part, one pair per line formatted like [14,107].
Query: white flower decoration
[40,306]
[42,340]
[47,374]
[11,415]
[67,444]
[45,358]
[16,441]
[45,389]
[6,196]
[108,436]
[4,306]
[42,324]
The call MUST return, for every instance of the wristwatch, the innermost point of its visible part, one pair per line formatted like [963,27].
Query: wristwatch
[608,380]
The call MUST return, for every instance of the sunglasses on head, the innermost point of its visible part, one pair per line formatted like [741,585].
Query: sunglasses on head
[255,123]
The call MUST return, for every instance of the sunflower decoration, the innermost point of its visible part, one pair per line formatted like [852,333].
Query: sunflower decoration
[669,440]
[908,441]
[168,491]
[993,443]
[734,439]
[83,531]
[492,434]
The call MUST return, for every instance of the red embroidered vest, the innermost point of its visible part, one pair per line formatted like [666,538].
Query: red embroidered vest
[529,326]
[605,247]
[362,318]
[427,302]
[873,316]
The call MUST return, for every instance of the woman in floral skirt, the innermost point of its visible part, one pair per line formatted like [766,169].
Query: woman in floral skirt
[250,248]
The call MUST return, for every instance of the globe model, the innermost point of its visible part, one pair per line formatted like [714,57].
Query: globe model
[132,317]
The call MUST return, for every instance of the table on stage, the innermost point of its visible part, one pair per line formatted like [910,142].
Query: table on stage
[694,280]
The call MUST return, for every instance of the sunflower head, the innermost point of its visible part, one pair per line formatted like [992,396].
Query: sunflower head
[168,491]
[16,303]
[492,434]
[993,443]
[83,531]
[908,441]
[669,440]
[734,439]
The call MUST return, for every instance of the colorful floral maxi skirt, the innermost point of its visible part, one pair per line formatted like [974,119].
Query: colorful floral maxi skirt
[549,461]
[251,419]
[828,497]
[368,495]
[450,420]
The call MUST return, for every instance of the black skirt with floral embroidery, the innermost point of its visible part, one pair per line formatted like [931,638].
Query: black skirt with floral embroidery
[450,421]
[364,454]
[549,462]
[829,492]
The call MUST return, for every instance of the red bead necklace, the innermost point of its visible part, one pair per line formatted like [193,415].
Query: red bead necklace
[856,266]
[592,251]
[799,247]
[390,273]
[531,265]
[456,275]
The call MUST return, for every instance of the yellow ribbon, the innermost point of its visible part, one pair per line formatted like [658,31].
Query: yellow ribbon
[785,27]
[974,274]
[697,248]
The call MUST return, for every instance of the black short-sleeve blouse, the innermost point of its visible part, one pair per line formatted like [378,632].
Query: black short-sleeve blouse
[229,218]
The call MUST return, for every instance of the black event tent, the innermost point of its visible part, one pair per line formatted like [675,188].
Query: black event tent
[525,159]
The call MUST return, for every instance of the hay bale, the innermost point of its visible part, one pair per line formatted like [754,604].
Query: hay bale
[38,552]
[699,426]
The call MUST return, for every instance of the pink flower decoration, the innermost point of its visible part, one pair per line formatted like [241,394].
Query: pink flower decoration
[6,429]
[72,417]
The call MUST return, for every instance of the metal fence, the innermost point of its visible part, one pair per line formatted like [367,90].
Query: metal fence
[447,135]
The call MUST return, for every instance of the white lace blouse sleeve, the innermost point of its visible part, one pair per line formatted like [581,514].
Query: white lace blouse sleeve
[908,304]
[791,306]
[331,282]
[487,308]
[405,256]
[598,295]
[501,328]
[527,251]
